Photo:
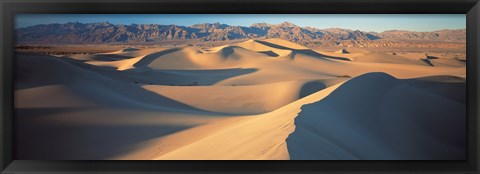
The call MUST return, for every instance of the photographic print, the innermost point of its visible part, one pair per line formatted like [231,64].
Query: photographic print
[240,87]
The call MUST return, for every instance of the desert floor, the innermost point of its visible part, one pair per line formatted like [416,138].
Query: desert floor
[257,99]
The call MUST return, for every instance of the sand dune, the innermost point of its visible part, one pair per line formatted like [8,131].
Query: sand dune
[342,51]
[430,59]
[239,101]
[251,99]
[259,137]
[87,84]
[410,125]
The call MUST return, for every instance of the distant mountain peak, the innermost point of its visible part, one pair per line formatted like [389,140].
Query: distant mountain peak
[210,24]
[259,25]
[337,30]
[395,31]
[105,23]
[286,24]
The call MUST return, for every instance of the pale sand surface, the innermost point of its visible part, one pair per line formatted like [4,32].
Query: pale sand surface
[258,99]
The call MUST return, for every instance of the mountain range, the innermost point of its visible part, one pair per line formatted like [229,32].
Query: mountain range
[105,32]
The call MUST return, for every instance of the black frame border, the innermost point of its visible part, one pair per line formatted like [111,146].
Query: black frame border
[8,9]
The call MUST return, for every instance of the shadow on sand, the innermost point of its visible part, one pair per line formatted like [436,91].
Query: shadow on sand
[307,52]
[46,140]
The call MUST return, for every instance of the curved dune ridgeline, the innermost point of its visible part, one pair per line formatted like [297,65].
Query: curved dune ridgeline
[258,99]
[376,116]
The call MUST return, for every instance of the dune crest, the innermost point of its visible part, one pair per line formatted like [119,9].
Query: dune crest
[376,127]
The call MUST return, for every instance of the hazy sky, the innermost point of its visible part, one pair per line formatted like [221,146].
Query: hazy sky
[363,22]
